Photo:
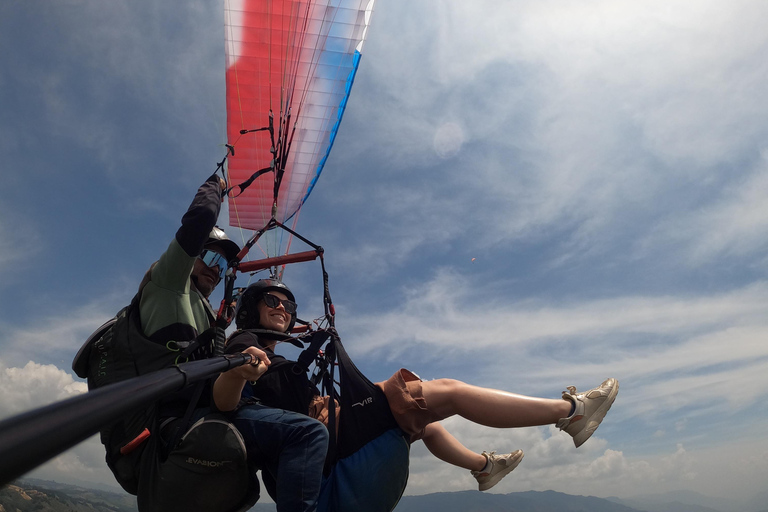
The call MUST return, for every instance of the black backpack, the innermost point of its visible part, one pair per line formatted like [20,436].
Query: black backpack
[205,469]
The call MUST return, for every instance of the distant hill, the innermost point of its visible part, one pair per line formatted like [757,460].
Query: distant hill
[530,501]
[474,501]
[40,497]
[689,501]
[682,501]
[670,506]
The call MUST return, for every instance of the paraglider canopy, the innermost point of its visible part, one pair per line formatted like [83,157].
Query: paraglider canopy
[290,69]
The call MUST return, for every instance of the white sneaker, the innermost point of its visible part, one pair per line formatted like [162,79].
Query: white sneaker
[500,466]
[591,407]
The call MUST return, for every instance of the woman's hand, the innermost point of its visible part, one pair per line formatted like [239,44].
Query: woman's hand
[229,385]
[256,368]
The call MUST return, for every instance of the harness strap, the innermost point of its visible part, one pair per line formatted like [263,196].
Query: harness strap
[307,356]
[186,422]
[247,183]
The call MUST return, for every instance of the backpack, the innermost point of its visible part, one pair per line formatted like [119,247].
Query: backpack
[206,471]
[206,467]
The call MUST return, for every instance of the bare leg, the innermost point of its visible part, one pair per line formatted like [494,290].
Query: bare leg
[448,449]
[491,407]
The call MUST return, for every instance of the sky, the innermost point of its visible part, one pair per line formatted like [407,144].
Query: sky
[522,195]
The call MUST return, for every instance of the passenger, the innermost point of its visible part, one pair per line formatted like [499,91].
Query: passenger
[417,406]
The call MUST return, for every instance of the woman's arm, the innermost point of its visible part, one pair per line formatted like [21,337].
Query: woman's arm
[229,385]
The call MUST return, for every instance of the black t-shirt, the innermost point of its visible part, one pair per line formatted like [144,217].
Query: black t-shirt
[285,385]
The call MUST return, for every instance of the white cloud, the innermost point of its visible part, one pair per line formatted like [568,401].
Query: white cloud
[447,310]
[733,226]
[679,359]
[625,106]
[35,385]
[551,462]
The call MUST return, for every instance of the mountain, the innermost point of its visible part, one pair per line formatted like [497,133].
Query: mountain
[474,501]
[529,501]
[663,506]
[689,501]
[24,496]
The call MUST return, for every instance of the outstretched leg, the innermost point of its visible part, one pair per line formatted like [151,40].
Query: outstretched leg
[491,407]
[579,414]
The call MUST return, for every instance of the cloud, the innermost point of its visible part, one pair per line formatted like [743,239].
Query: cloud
[732,227]
[582,122]
[35,385]
[166,76]
[551,462]
[678,358]
[447,310]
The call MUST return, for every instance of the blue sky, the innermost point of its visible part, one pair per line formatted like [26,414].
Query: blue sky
[603,162]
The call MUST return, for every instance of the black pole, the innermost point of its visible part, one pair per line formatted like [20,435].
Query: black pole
[31,438]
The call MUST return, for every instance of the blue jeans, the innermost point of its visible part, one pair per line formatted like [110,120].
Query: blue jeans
[292,447]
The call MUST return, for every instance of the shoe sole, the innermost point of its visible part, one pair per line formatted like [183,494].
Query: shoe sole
[597,417]
[501,474]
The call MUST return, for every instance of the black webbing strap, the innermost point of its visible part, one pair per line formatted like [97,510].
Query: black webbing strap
[218,337]
[182,426]
[330,389]
[214,337]
[247,183]
[307,356]
[220,340]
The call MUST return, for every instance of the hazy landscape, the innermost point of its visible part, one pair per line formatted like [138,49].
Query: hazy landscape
[41,495]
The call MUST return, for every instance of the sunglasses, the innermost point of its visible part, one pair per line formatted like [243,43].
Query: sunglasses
[214,259]
[272,302]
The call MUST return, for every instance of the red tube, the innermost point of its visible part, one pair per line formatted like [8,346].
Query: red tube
[132,445]
[252,266]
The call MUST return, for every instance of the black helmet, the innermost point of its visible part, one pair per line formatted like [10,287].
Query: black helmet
[246,314]
[219,238]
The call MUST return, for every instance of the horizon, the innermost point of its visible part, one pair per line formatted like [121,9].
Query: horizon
[670,497]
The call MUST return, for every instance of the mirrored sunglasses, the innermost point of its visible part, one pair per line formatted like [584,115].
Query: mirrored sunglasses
[214,259]
[272,302]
